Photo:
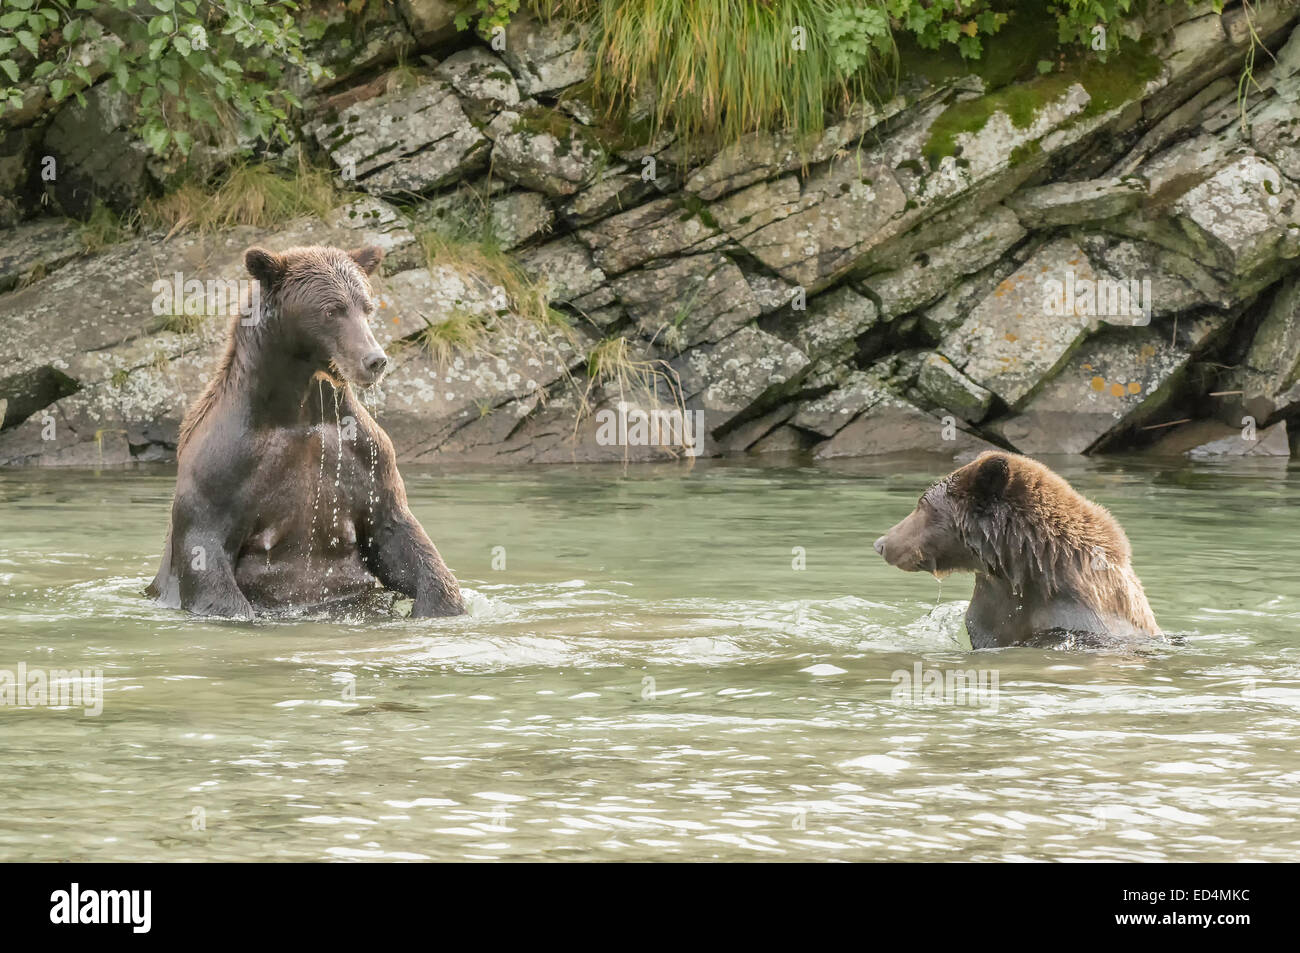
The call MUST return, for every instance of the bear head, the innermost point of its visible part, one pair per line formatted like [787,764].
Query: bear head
[934,537]
[321,304]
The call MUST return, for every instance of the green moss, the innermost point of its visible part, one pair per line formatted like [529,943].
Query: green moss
[1108,85]
[1118,80]
[1021,103]
[1024,152]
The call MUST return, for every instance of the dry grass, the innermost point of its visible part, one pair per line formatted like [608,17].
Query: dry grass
[251,194]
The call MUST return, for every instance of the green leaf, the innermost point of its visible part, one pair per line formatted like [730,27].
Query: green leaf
[10,67]
[28,41]
[59,89]
[156,137]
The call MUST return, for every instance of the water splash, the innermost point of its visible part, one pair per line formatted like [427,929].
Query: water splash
[338,480]
[320,478]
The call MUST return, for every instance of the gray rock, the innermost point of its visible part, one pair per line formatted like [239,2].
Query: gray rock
[1270,442]
[770,292]
[688,300]
[348,52]
[410,140]
[745,435]
[97,157]
[1276,135]
[932,272]
[947,314]
[892,425]
[1177,283]
[1012,341]
[519,217]
[1244,215]
[784,439]
[1072,203]
[764,155]
[424,402]
[431,21]
[812,234]
[1270,372]
[18,160]
[1119,379]
[949,389]
[384,226]
[478,75]
[546,56]
[832,412]
[746,369]
[35,249]
[832,319]
[608,195]
[654,230]
[565,266]
[544,150]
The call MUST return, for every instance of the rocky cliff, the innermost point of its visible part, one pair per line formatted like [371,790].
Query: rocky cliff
[1088,261]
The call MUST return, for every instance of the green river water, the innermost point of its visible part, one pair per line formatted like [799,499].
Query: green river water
[650,677]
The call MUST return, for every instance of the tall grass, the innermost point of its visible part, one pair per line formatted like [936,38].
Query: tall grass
[716,69]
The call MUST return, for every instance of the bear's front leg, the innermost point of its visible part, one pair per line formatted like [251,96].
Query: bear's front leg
[402,557]
[204,565]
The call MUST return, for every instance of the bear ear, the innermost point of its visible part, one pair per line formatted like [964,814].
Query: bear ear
[267,267]
[992,474]
[368,257]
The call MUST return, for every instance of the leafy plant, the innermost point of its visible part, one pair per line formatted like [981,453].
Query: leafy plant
[187,65]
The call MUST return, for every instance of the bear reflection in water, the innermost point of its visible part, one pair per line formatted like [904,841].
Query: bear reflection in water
[1049,565]
[287,491]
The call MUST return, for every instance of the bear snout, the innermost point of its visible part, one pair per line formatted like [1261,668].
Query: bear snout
[879,545]
[372,367]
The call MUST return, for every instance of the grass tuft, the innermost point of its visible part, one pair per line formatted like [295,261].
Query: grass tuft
[251,194]
[105,227]
[717,69]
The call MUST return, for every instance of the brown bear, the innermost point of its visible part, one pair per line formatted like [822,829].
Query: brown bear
[287,491]
[1048,563]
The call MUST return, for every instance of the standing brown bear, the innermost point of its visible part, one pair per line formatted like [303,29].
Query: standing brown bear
[288,494]
[1047,562]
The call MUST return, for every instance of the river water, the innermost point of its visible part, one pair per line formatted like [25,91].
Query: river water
[660,662]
